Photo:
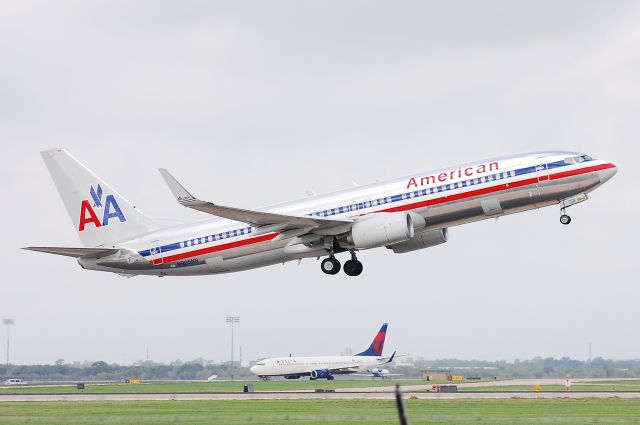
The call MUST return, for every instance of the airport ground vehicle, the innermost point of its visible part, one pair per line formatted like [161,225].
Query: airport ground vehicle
[14,381]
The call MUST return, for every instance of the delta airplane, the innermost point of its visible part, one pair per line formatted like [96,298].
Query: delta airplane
[403,215]
[324,367]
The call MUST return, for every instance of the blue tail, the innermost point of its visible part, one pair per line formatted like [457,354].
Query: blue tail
[375,349]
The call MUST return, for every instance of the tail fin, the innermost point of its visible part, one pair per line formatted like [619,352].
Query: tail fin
[375,349]
[100,215]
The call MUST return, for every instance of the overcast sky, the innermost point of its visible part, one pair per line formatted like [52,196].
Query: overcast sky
[253,103]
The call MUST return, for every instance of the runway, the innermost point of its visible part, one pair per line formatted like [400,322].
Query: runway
[341,395]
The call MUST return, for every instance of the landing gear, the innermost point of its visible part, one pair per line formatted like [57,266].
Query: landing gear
[330,265]
[353,267]
[564,218]
[330,378]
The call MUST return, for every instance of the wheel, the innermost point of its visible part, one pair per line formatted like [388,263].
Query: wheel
[353,267]
[330,265]
[330,378]
[565,219]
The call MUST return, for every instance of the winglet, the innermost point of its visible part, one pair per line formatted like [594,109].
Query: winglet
[181,194]
[391,358]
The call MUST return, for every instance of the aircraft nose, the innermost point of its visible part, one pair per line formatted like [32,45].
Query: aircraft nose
[608,173]
[254,368]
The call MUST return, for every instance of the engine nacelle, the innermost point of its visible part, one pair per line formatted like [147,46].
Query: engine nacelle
[381,229]
[320,374]
[421,240]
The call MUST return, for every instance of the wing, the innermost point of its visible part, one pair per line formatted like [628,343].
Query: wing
[343,370]
[255,218]
[73,252]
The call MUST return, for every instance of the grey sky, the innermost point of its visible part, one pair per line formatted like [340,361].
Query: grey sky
[252,103]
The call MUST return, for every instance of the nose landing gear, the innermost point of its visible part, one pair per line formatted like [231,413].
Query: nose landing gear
[565,219]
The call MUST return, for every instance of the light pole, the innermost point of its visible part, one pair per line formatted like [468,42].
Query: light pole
[7,323]
[232,320]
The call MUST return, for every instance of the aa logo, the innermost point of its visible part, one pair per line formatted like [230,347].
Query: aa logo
[111,209]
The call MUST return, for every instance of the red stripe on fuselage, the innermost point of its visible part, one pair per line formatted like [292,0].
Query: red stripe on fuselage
[498,188]
[436,201]
[221,247]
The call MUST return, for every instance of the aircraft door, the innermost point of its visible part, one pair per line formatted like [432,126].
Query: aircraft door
[542,176]
[542,170]
[156,252]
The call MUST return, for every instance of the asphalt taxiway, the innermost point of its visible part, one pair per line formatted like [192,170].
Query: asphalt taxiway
[340,395]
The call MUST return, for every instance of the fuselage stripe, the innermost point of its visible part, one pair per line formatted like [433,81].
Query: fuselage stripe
[546,176]
[222,247]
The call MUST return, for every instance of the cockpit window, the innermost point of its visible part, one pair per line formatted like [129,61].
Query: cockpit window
[577,159]
[260,363]
[572,160]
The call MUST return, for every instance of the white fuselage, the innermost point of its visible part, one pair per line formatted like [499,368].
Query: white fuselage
[445,198]
[302,366]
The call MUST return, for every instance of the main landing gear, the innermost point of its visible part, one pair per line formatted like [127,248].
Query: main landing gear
[352,267]
[564,218]
[330,265]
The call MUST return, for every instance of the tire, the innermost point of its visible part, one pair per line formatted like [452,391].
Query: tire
[330,266]
[565,219]
[353,268]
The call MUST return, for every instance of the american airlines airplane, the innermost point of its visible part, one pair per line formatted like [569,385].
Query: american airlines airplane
[324,367]
[403,215]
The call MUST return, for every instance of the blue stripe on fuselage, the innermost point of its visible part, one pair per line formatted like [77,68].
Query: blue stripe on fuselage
[362,205]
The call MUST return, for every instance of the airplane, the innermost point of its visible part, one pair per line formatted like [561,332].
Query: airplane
[403,215]
[324,367]
[378,373]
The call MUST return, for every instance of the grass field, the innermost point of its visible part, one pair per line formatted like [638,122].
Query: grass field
[206,387]
[523,412]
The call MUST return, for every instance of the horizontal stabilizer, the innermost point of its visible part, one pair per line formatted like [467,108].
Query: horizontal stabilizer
[255,218]
[73,252]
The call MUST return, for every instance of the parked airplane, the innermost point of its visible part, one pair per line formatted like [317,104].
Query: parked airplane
[404,215]
[378,373]
[325,367]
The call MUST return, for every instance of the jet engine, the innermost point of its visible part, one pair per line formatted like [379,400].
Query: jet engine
[381,229]
[321,374]
[421,240]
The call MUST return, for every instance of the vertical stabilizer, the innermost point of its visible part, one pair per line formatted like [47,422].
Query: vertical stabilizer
[375,349]
[100,215]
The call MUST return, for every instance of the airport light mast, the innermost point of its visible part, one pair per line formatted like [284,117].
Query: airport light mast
[232,320]
[7,323]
